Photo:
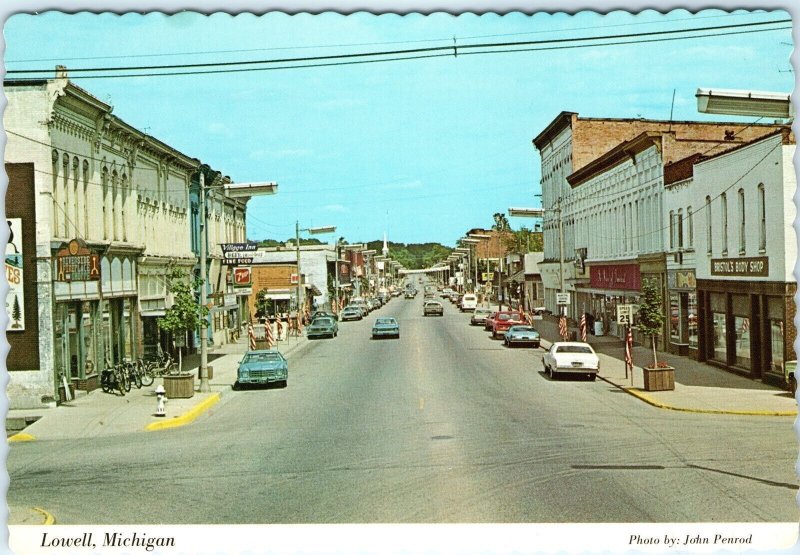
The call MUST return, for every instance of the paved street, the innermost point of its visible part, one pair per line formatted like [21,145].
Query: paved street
[442,425]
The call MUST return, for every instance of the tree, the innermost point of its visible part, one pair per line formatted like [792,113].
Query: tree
[522,241]
[185,313]
[501,222]
[651,315]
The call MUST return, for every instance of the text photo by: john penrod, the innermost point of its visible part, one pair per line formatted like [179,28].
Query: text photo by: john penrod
[108,539]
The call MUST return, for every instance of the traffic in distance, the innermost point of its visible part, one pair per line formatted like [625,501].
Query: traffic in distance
[573,358]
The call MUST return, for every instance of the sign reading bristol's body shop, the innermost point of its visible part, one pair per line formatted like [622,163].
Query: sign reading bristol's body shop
[740,267]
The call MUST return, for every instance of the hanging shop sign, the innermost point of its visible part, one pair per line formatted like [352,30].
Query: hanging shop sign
[242,276]
[740,267]
[230,249]
[617,276]
[682,279]
[15,299]
[75,262]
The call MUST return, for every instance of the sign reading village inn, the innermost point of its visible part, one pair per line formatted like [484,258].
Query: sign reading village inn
[75,262]
[740,267]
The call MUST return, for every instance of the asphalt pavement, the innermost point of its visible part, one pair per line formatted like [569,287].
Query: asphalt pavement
[99,414]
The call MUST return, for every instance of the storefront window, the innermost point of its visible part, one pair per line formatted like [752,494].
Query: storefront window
[776,340]
[675,318]
[720,350]
[692,319]
[742,326]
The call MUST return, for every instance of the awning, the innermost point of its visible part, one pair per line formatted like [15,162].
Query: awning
[518,277]
[312,290]
[152,313]
[279,296]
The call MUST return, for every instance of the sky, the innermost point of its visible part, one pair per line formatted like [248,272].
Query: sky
[423,149]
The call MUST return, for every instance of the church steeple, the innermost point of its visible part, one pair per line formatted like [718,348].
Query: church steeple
[385,249]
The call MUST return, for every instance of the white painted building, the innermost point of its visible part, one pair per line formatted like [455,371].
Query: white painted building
[745,251]
[108,195]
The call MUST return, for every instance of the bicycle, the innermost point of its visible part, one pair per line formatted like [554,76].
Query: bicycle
[145,371]
[112,377]
[131,370]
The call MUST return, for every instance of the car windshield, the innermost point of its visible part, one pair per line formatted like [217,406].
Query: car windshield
[504,317]
[261,357]
[323,321]
[522,328]
[574,349]
[385,321]
[482,311]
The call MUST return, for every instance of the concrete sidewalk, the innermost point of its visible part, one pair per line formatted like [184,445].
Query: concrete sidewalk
[107,414]
[699,387]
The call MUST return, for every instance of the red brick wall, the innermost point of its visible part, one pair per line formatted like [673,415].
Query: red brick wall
[21,203]
[594,137]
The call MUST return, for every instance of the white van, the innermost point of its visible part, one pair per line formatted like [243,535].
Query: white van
[469,302]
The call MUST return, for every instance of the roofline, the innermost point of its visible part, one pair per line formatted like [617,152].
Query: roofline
[786,140]
[559,122]
[619,153]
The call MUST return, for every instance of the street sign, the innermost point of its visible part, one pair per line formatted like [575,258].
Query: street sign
[625,314]
[562,298]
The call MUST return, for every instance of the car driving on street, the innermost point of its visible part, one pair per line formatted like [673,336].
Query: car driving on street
[522,335]
[571,357]
[432,308]
[351,313]
[479,316]
[503,320]
[386,327]
[262,367]
[323,326]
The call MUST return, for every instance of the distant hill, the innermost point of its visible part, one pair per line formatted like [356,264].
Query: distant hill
[413,256]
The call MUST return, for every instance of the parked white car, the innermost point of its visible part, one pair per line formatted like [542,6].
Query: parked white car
[469,302]
[571,357]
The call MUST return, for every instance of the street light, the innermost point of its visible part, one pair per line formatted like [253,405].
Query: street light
[233,190]
[312,231]
[539,213]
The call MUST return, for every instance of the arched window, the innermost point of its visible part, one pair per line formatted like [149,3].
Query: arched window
[114,200]
[56,196]
[77,197]
[124,204]
[742,239]
[708,225]
[679,227]
[106,210]
[690,222]
[724,201]
[671,230]
[65,207]
[86,199]
[762,217]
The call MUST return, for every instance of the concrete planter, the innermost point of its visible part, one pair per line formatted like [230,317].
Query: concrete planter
[659,379]
[179,387]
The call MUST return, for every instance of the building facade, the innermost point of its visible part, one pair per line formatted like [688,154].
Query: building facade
[566,146]
[98,198]
[745,254]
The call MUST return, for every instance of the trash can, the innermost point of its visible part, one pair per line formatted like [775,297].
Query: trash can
[598,328]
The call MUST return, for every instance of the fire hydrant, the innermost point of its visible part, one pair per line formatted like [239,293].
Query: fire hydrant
[161,409]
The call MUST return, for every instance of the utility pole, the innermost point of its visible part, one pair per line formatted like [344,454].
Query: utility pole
[297,250]
[204,385]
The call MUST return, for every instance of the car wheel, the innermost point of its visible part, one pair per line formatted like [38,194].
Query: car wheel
[235,385]
[552,373]
[592,377]
[283,383]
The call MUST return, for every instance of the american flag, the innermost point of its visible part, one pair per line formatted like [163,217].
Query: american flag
[270,338]
[583,327]
[562,327]
[279,326]
[629,348]
[529,318]
[745,325]
[251,336]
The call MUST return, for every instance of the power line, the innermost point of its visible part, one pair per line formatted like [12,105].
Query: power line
[374,43]
[398,55]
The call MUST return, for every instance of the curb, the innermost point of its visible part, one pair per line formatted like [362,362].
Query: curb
[653,402]
[21,437]
[187,417]
[48,518]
